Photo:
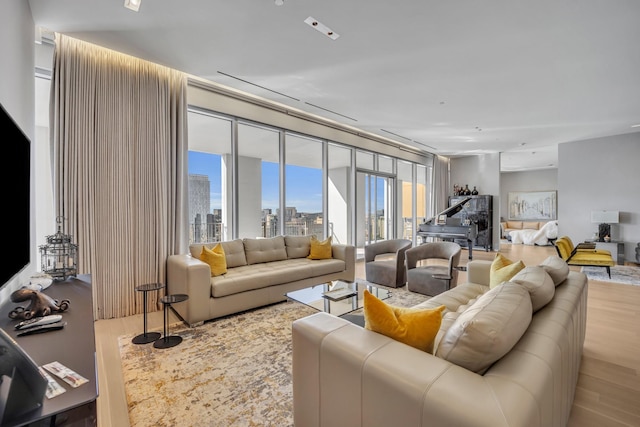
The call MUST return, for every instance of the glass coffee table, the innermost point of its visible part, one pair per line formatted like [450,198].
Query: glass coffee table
[337,297]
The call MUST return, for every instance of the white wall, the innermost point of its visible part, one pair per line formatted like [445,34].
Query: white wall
[17,94]
[539,180]
[483,171]
[600,174]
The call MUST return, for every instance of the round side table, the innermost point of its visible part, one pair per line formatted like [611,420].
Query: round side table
[147,337]
[169,340]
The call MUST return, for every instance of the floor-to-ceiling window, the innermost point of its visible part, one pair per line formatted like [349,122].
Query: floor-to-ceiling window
[406,200]
[375,199]
[423,193]
[304,189]
[252,180]
[210,167]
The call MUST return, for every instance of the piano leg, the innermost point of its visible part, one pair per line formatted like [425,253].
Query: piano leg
[470,247]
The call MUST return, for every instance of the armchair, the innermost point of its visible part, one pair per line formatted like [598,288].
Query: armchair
[583,256]
[386,270]
[432,279]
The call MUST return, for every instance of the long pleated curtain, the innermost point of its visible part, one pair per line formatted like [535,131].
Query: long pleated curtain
[440,184]
[119,143]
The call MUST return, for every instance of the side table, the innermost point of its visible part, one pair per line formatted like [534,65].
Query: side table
[147,337]
[169,340]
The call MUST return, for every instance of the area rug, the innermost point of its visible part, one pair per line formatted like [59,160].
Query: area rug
[619,274]
[234,371]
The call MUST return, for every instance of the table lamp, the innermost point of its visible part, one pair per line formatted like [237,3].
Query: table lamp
[604,219]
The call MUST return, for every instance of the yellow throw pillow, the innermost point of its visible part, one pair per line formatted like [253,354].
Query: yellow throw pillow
[416,327]
[503,269]
[215,258]
[320,249]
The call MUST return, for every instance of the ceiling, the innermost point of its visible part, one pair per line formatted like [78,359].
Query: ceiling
[453,78]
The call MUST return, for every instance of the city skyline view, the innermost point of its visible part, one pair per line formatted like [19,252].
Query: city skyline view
[303,185]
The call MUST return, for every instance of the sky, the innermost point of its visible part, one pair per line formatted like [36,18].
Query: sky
[304,185]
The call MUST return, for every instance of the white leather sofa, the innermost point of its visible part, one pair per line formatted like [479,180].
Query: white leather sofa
[259,272]
[346,375]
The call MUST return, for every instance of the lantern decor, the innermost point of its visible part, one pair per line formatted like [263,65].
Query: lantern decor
[59,256]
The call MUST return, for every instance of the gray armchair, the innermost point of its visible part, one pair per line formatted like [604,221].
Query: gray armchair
[386,270]
[438,277]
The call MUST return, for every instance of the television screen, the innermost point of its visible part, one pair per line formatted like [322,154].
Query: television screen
[15,177]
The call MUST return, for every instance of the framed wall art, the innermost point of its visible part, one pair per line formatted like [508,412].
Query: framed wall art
[532,205]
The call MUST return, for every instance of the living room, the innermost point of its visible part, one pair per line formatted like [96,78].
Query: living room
[592,174]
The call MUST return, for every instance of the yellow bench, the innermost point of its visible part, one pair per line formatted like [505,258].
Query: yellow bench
[585,257]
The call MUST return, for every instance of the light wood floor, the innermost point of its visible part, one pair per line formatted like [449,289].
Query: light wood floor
[608,392]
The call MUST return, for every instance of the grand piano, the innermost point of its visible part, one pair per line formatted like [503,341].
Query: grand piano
[445,227]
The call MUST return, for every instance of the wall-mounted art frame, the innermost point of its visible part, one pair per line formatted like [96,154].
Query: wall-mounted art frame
[532,205]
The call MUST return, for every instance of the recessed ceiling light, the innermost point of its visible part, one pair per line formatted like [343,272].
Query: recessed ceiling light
[132,4]
[314,23]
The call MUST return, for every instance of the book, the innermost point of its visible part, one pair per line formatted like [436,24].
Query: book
[338,294]
[69,376]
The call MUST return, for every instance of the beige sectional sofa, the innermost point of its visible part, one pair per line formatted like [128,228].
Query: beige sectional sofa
[259,272]
[346,375]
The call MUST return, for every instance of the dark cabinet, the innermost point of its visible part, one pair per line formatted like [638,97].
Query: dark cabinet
[478,210]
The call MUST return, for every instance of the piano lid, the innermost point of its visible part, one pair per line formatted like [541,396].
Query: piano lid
[450,211]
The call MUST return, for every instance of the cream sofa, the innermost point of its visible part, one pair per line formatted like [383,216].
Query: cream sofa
[540,233]
[259,272]
[346,375]
[509,226]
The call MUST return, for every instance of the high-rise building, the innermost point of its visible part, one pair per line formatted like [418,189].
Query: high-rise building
[199,196]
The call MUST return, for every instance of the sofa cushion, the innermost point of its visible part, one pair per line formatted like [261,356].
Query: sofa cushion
[488,329]
[320,249]
[530,225]
[264,250]
[514,224]
[539,284]
[557,268]
[234,253]
[215,258]
[262,275]
[412,326]
[456,297]
[503,269]
[297,246]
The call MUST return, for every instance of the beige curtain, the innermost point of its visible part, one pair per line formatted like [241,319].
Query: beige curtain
[119,141]
[440,184]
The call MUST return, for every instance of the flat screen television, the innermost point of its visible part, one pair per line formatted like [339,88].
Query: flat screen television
[15,175]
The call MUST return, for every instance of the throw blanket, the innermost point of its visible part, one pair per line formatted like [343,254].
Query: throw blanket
[535,237]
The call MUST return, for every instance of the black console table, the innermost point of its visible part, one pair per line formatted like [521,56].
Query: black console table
[74,346]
